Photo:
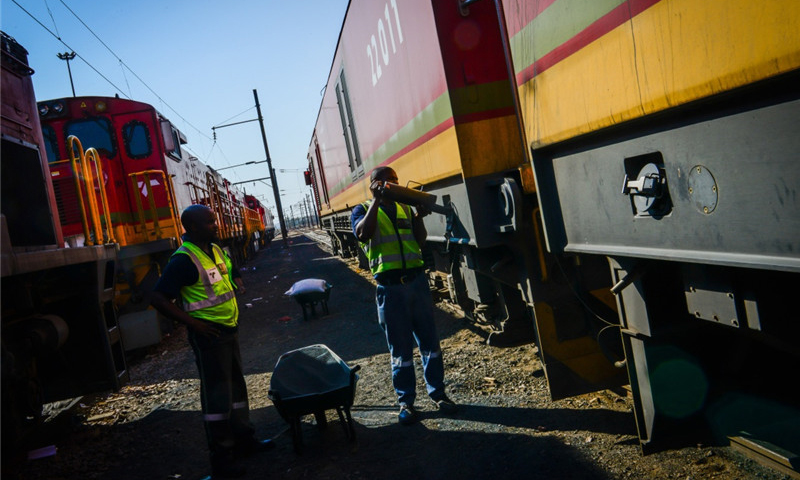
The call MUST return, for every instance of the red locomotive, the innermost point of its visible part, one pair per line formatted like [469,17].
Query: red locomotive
[92,190]
[60,332]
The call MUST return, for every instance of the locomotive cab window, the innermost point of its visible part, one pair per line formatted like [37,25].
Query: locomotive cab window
[136,138]
[348,128]
[172,140]
[93,133]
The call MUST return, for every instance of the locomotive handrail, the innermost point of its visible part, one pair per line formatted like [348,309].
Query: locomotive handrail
[236,221]
[173,209]
[151,201]
[78,190]
[231,220]
[216,205]
[81,170]
[98,165]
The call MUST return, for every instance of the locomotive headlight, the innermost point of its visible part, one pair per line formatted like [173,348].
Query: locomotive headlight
[100,106]
[58,107]
[43,110]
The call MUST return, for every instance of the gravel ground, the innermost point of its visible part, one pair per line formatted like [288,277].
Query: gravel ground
[506,425]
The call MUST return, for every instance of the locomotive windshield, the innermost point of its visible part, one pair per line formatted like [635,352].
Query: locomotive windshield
[94,132]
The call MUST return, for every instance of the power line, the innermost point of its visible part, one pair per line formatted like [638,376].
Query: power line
[71,49]
[57,37]
[47,5]
[122,63]
[129,68]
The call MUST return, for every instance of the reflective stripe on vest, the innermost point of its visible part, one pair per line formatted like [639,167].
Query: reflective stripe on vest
[206,299]
[390,248]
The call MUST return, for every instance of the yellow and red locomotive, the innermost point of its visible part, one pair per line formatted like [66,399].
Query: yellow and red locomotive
[620,180]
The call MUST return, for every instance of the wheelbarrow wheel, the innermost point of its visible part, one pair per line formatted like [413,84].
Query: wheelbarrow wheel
[322,420]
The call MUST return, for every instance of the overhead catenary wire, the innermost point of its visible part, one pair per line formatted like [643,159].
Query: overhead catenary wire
[49,12]
[122,62]
[71,49]
[123,66]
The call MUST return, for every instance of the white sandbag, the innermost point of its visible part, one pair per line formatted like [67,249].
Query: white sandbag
[309,285]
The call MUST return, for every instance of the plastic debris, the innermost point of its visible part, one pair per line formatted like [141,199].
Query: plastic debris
[43,452]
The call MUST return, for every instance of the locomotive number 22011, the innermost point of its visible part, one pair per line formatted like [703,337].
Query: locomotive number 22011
[374,44]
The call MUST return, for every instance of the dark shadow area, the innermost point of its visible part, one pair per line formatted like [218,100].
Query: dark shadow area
[557,419]
[375,453]
[481,441]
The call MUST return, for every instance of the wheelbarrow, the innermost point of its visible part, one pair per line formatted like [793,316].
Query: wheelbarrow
[309,293]
[311,380]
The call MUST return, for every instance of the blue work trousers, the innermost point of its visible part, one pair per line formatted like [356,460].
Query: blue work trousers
[405,313]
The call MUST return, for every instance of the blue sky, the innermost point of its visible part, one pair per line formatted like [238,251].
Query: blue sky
[198,62]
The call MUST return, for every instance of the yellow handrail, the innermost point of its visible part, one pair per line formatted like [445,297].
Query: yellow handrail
[167,182]
[71,140]
[92,153]
[82,171]
[173,209]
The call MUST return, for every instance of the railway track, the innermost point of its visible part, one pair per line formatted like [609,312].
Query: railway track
[318,236]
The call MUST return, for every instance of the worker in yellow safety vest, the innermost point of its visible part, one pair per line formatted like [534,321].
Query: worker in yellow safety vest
[201,275]
[391,235]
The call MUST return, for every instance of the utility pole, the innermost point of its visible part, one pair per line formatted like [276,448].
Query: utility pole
[275,190]
[68,56]
[308,211]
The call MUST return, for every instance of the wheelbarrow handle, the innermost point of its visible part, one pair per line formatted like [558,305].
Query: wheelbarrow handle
[353,375]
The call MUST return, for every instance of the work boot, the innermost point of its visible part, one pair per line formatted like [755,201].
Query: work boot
[407,415]
[446,406]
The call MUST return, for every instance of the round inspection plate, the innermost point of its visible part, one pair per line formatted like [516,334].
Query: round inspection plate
[703,189]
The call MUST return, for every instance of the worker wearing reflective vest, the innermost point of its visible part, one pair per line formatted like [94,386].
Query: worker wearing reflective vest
[203,277]
[391,235]
[211,298]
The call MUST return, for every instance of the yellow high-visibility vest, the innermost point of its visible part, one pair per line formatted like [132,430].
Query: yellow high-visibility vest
[393,248]
[211,298]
